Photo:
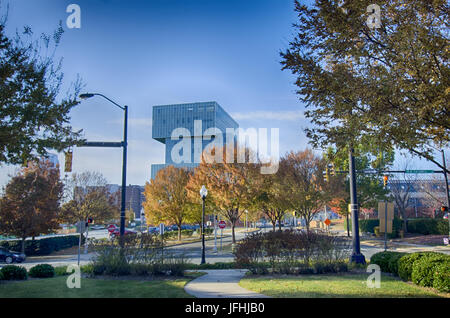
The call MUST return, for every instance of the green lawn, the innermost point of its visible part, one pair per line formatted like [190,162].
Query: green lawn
[331,286]
[96,288]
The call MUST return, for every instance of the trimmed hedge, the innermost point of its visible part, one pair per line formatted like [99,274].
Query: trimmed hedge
[424,269]
[43,246]
[12,272]
[387,261]
[428,226]
[369,226]
[405,264]
[441,277]
[42,271]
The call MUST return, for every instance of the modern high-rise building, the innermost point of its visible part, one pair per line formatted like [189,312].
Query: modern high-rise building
[194,120]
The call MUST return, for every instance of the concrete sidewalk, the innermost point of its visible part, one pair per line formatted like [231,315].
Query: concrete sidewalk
[221,283]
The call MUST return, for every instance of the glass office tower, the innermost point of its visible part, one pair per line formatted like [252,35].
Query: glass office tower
[168,118]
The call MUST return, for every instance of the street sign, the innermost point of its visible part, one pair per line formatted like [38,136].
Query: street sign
[161,229]
[419,171]
[390,210]
[327,222]
[111,227]
[222,224]
[445,240]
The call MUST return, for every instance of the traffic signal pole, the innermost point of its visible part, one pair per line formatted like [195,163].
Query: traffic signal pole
[356,256]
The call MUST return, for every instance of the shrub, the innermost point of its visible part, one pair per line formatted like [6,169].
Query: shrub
[387,261]
[42,271]
[405,264]
[140,269]
[393,263]
[87,269]
[371,224]
[43,246]
[428,226]
[12,272]
[441,277]
[1,275]
[423,269]
[61,271]
[286,251]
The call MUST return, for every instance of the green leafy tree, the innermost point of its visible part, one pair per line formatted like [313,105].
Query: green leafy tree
[33,116]
[385,86]
[30,205]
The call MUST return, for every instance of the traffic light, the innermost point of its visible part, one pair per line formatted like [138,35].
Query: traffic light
[331,168]
[68,162]
[444,208]
[385,180]
[89,221]
[326,174]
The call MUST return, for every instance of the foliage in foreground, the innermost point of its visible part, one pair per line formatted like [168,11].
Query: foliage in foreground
[292,252]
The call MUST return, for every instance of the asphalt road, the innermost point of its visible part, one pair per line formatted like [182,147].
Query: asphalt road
[192,251]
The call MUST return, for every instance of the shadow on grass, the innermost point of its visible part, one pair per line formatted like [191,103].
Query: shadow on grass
[96,288]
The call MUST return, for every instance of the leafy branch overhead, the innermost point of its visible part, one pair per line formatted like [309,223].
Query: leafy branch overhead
[34,116]
[385,86]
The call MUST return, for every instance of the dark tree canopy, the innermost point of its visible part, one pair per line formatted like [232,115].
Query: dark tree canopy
[387,86]
[34,116]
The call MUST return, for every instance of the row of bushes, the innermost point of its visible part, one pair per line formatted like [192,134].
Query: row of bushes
[185,233]
[424,226]
[12,272]
[291,252]
[44,246]
[427,269]
[368,226]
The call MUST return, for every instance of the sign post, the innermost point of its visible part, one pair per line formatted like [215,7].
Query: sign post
[222,225]
[386,216]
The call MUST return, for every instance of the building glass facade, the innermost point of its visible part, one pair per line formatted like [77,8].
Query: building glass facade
[167,118]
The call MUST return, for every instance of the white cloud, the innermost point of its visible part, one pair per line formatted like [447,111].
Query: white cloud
[269,115]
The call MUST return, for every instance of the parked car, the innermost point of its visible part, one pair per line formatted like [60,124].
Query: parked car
[445,216]
[116,232]
[9,257]
[153,230]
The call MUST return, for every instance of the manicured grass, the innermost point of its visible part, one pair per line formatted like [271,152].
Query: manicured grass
[334,286]
[97,288]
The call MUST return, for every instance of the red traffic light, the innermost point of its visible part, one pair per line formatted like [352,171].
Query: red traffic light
[444,208]
[90,221]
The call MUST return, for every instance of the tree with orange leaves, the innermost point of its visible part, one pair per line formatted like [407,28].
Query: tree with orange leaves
[230,182]
[301,175]
[31,202]
[166,198]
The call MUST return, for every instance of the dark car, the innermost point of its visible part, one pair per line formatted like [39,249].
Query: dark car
[9,257]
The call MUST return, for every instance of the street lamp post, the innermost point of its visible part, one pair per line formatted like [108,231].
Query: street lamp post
[124,160]
[203,194]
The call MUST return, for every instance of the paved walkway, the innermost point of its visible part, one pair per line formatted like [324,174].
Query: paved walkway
[221,283]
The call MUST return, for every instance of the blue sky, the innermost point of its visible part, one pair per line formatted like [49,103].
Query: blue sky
[154,52]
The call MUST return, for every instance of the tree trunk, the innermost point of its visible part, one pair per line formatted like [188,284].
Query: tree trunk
[274,225]
[179,232]
[403,214]
[233,225]
[307,225]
